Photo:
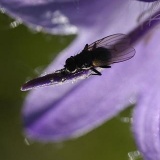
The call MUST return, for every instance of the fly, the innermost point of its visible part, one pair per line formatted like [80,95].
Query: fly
[100,54]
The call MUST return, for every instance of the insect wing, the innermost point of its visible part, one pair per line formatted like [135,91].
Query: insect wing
[118,46]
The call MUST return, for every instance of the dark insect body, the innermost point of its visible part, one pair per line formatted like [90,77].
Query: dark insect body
[89,59]
[100,54]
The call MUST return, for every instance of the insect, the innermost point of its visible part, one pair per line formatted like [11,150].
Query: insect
[100,54]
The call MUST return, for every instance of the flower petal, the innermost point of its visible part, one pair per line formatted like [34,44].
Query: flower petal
[146,119]
[148,0]
[64,16]
[73,109]
[146,125]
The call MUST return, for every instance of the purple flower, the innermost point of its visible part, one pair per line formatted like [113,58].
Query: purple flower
[70,110]
[148,0]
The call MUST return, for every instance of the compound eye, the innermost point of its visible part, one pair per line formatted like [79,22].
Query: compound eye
[70,65]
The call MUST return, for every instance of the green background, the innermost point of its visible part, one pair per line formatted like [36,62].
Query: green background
[24,53]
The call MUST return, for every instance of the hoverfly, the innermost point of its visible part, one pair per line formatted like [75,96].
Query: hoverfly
[100,54]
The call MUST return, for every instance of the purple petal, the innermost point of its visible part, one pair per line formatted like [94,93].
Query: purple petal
[56,78]
[73,109]
[148,0]
[146,125]
[64,16]
[146,119]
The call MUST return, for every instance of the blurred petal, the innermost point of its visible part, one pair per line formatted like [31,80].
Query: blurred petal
[44,15]
[148,0]
[73,109]
[146,119]
[64,16]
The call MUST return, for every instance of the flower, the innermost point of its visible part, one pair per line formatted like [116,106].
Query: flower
[67,111]
[148,0]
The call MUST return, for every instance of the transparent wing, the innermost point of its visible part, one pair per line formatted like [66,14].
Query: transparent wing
[118,46]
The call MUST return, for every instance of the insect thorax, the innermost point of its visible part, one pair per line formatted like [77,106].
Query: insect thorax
[84,59]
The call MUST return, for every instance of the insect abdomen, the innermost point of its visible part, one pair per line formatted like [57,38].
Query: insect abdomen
[101,57]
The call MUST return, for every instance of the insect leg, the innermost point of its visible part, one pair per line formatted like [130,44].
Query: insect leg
[64,79]
[105,66]
[60,71]
[86,47]
[94,46]
[96,72]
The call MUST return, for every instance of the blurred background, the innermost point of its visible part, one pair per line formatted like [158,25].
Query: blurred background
[23,55]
